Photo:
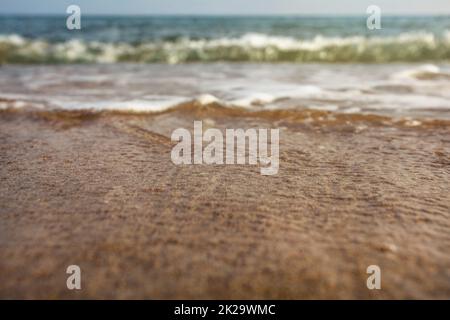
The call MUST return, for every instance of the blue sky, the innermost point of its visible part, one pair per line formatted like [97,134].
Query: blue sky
[225,6]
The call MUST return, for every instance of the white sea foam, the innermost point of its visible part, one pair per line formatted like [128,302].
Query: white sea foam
[206,99]
[158,104]
[413,46]
[416,72]
[156,88]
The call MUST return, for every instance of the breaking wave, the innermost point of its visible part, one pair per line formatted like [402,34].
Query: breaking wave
[407,47]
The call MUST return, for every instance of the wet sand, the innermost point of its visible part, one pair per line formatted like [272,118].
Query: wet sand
[100,191]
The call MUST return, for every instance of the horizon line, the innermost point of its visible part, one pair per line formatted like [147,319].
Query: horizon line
[2,14]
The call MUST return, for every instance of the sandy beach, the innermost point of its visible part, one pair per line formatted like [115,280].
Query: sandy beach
[99,190]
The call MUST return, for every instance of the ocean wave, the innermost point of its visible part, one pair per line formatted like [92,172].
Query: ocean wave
[407,47]
[352,118]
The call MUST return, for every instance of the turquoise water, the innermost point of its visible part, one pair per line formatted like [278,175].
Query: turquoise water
[197,39]
[137,30]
